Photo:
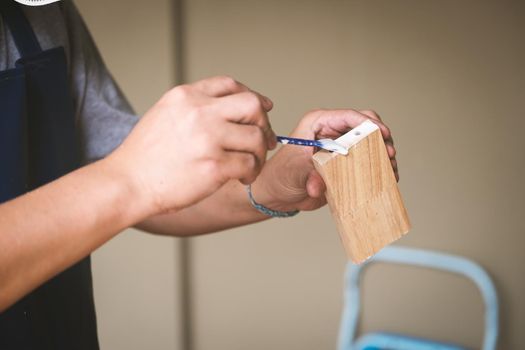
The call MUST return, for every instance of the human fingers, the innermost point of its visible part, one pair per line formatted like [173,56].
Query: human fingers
[245,138]
[389,142]
[224,85]
[339,122]
[373,115]
[375,118]
[370,113]
[219,86]
[393,161]
[334,123]
[315,186]
[344,119]
[391,150]
[247,108]
[242,166]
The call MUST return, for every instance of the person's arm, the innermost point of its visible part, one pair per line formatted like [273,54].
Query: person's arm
[184,149]
[45,231]
[287,182]
[227,208]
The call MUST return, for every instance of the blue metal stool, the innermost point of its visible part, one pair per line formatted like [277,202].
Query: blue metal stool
[421,258]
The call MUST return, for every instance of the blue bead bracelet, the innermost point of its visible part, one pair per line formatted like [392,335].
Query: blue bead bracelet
[267,211]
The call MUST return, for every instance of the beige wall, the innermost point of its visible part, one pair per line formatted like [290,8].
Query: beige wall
[448,77]
[135,275]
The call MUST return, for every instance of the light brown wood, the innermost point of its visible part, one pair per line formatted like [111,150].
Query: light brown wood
[362,193]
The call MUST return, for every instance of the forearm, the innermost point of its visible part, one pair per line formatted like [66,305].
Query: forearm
[47,230]
[230,207]
[227,208]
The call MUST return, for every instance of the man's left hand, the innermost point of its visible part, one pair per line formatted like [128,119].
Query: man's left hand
[289,181]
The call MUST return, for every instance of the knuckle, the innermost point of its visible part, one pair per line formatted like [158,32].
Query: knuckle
[194,115]
[314,114]
[371,113]
[252,101]
[209,147]
[205,146]
[180,92]
[211,166]
[198,112]
[310,119]
[203,151]
[228,82]
[200,153]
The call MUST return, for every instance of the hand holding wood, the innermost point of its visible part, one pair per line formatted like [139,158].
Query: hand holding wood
[362,192]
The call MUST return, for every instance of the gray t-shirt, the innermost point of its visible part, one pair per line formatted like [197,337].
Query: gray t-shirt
[102,113]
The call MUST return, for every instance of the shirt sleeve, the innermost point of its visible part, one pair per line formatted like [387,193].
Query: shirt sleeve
[103,114]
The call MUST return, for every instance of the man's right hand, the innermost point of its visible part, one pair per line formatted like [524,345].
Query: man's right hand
[196,138]
[193,140]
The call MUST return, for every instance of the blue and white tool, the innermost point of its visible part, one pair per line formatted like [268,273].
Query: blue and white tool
[342,144]
[327,144]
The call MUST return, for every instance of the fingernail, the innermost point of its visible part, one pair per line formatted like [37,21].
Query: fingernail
[268,104]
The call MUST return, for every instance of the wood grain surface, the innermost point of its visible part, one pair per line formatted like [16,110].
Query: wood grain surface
[363,195]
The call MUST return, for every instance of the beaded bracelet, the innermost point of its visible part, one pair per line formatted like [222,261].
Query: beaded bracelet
[268,211]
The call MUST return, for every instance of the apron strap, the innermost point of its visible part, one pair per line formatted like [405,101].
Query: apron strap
[24,37]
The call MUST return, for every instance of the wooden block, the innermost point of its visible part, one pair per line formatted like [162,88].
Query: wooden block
[362,193]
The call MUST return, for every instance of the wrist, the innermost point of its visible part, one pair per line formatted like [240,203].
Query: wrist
[263,194]
[135,203]
[268,211]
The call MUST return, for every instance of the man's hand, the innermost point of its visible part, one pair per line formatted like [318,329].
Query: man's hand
[194,140]
[289,180]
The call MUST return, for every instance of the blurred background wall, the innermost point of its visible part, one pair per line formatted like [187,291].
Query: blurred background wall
[449,79]
[137,276]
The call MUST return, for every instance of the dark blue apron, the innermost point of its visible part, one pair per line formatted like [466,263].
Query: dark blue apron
[39,143]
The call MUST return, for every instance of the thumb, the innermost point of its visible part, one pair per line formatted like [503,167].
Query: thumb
[315,186]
